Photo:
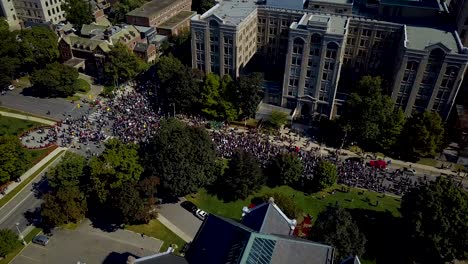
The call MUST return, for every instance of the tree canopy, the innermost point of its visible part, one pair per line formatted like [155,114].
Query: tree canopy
[201,6]
[437,217]
[78,12]
[64,205]
[38,46]
[243,177]
[286,203]
[183,157]
[68,172]
[278,118]
[214,98]
[122,64]
[117,165]
[8,242]
[56,80]
[285,169]
[336,227]
[13,160]
[248,93]
[423,134]
[121,8]
[326,175]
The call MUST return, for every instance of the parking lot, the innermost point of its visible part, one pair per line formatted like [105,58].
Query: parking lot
[89,245]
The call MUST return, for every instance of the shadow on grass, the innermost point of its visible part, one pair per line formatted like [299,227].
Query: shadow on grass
[387,241]
[115,257]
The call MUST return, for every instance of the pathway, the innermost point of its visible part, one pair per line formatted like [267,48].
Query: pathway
[174,228]
[30,118]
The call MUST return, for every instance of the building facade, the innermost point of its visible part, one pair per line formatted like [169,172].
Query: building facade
[315,55]
[156,12]
[8,11]
[40,11]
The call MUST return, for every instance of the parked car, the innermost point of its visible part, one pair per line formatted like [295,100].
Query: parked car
[41,240]
[189,206]
[381,164]
[201,214]
[11,87]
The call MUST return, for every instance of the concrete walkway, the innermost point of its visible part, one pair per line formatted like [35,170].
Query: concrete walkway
[174,228]
[32,170]
[30,118]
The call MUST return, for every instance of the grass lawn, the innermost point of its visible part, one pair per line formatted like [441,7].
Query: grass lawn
[428,162]
[22,82]
[9,110]
[10,126]
[157,230]
[11,194]
[73,98]
[28,238]
[312,204]
[83,86]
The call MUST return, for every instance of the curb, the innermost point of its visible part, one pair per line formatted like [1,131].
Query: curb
[174,228]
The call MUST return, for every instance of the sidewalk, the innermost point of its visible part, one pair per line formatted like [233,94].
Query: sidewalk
[32,170]
[174,228]
[30,118]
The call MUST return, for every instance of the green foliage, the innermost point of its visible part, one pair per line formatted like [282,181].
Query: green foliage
[122,64]
[117,165]
[8,242]
[214,98]
[181,47]
[286,203]
[55,80]
[121,8]
[371,116]
[4,25]
[68,172]
[326,176]
[243,177]
[82,86]
[78,12]
[248,95]
[108,91]
[277,118]
[37,47]
[65,205]
[183,157]
[12,158]
[285,169]
[336,227]
[201,6]
[437,215]
[423,134]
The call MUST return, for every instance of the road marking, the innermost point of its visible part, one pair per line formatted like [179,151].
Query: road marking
[35,260]
[14,208]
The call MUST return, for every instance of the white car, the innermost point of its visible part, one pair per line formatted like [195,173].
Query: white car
[11,87]
[201,214]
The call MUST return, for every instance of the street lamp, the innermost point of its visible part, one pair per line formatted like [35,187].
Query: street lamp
[19,234]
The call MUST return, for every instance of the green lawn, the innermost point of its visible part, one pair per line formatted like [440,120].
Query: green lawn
[28,238]
[428,162]
[312,204]
[9,110]
[10,126]
[157,230]
[11,194]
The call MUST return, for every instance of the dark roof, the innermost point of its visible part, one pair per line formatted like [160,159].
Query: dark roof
[140,47]
[267,218]
[164,259]
[151,8]
[219,240]
[295,250]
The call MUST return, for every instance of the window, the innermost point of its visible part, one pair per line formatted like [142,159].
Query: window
[46,3]
[296,61]
[364,43]
[366,32]
[314,52]
[329,66]
[293,82]
[297,49]
[324,76]
[48,12]
[351,41]
[331,54]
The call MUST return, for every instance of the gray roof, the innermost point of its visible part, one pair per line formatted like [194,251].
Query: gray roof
[232,12]
[163,259]
[267,218]
[334,24]
[420,37]
[342,2]
[294,250]
[151,9]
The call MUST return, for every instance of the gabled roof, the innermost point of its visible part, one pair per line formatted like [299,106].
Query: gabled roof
[88,29]
[268,218]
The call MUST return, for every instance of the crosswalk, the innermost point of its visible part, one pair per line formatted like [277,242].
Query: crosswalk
[94,116]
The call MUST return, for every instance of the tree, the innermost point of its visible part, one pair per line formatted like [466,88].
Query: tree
[248,90]
[336,227]
[13,160]
[122,64]
[326,175]
[437,217]
[68,172]
[56,80]
[37,47]
[286,169]
[121,8]
[66,205]
[243,177]
[285,202]
[371,116]
[117,165]
[278,118]
[8,242]
[423,134]
[4,25]
[214,101]
[78,12]
[183,157]
[201,6]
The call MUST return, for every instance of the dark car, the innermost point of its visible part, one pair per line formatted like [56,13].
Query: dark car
[189,206]
[41,240]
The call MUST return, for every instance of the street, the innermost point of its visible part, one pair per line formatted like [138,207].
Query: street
[181,218]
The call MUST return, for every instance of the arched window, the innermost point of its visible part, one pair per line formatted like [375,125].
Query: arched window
[316,39]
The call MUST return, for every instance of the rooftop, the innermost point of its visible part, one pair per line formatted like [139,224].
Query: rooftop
[232,12]
[420,37]
[342,2]
[333,24]
[177,19]
[431,4]
[267,218]
[151,9]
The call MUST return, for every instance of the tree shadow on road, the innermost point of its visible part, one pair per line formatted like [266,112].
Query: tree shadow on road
[115,257]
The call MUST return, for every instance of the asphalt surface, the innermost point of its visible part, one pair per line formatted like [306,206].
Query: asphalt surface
[183,219]
[59,108]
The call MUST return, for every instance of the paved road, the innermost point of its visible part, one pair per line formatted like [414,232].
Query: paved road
[88,245]
[181,218]
[39,106]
